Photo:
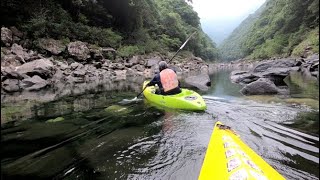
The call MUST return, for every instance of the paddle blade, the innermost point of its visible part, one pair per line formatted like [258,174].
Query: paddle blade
[128,101]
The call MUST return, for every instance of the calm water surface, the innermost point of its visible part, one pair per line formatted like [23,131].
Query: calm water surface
[97,136]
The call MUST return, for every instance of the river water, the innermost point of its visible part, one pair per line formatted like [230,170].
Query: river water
[98,136]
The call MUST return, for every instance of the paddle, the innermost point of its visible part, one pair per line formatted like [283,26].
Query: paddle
[140,93]
[182,46]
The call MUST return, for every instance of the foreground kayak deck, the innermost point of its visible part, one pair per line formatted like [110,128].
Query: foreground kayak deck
[229,158]
[186,100]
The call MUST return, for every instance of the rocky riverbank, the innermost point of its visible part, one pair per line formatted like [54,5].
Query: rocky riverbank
[267,77]
[51,68]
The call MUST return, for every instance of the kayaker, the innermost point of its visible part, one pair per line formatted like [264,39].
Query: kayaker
[166,79]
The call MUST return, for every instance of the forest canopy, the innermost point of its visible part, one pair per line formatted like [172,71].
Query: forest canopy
[131,26]
[278,28]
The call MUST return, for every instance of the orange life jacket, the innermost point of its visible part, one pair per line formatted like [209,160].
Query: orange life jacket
[169,79]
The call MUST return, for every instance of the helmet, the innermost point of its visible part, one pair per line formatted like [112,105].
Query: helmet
[162,65]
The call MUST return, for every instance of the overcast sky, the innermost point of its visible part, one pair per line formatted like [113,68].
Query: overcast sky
[225,9]
[223,15]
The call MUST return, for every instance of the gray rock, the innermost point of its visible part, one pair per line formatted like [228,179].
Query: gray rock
[34,83]
[260,87]
[6,36]
[120,74]
[134,60]
[147,73]
[79,50]
[313,57]
[204,69]
[138,67]
[53,46]
[176,68]
[41,67]
[10,59]
[242,77]
[11,85]
[153,61]
[20,52]
[201,81]
[282,63]
[62,65]
[128,64]
[116,66]
[75,66]
[79,73]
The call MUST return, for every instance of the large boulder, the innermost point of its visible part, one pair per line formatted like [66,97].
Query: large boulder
[201,81]
[55,47]
[6,36]
[79,50]
[275,71]
[280,63]
[242,77]
[259,87]
[34,83]
[42,67]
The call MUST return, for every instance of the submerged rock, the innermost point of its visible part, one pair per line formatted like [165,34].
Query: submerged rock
[58,119]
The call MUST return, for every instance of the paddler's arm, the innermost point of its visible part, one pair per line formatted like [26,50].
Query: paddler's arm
[154,81]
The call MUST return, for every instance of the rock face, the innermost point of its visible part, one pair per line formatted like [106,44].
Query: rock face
[53,46]
[79,64]
[201,81]
[79,50]
[266,76]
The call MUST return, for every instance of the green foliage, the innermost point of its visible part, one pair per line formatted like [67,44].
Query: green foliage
[311,41]
[127,51]
[147,25]
[276,29]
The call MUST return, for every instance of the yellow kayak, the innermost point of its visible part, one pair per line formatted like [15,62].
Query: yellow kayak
[186,100]
[229,158]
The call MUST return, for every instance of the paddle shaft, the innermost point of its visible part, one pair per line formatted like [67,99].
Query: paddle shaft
[141,92]
[182,45]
